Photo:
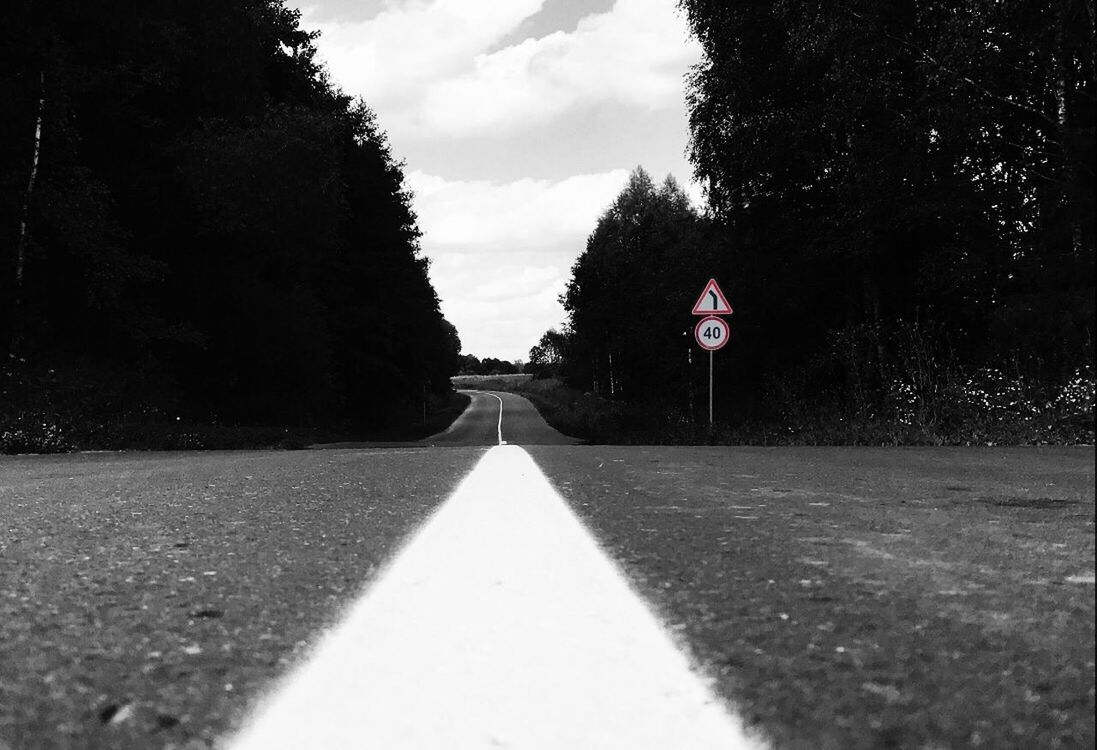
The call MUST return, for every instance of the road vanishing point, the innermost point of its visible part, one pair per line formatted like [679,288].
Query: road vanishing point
[500,585]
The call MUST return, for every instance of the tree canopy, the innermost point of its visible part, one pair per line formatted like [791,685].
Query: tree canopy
[900,202]
[885,167]
[628,337]
[213,226]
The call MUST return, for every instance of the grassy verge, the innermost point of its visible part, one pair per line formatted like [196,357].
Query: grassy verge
[599,420]
[490,382]
[43,416]
[441,414]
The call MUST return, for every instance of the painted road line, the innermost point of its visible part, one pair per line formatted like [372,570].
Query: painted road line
[500,426]
[500,625]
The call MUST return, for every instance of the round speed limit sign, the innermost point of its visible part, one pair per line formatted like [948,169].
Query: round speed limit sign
[711,333]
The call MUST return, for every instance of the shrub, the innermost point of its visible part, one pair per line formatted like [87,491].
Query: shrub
[32,433]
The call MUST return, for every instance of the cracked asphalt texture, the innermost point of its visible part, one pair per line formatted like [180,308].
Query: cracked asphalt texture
[841,597]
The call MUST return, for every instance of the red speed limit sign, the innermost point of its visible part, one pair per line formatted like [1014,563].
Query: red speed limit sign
[711,333]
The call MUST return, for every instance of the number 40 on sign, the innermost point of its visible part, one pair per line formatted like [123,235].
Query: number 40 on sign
[711,333]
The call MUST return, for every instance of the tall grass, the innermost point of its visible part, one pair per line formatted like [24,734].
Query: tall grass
[490,382]
[45,411]
[984,407]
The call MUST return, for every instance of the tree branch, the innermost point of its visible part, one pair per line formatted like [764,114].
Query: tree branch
[979,87]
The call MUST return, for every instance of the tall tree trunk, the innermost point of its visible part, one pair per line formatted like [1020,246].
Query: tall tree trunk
[612,381]
[21,242]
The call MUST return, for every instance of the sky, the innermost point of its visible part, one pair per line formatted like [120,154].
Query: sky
[518,122]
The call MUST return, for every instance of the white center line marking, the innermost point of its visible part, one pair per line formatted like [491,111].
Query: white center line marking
[501,624]
[500,400]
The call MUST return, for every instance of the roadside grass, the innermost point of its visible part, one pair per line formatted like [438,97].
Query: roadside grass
[490,382]
[47,415]
[598,420]
[440,415]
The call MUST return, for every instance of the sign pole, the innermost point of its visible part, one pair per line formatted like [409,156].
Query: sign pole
[689,377]
[710,355]
[712,332]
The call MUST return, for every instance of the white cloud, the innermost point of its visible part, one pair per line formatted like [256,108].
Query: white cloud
[441,73]
[486,217]
[636,55]
[501,253]
[426,65]
[410,43]
[500,308]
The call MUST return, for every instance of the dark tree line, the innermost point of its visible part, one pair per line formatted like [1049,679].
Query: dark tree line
[630,295]
[929,163]
[470,364]
[212,228]
[899,194]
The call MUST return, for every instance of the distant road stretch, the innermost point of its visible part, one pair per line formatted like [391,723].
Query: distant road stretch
[495,418]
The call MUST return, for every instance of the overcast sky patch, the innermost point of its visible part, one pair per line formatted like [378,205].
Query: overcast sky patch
[519,122]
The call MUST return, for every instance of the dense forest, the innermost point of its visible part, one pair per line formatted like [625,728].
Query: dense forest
[900,208]
[197,226]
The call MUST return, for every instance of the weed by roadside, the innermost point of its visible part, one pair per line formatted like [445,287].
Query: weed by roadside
[985,408]
[45,412]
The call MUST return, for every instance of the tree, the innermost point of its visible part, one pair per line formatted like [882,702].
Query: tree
[629,297]
[470,365]
[549,354]
[876,165]
[210,215]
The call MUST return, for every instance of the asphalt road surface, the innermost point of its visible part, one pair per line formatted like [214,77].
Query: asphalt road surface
[835,598]
[482,423]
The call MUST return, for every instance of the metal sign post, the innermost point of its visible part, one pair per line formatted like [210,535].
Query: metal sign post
[710,357]
[712,332]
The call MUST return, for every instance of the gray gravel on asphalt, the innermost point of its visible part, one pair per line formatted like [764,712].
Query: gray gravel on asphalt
[146,600]
[860,598]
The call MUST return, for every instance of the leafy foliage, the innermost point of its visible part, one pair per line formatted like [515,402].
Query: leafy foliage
[470,364]
[900,209]
[641,262]
[549,354]
[877,166]
[210,216]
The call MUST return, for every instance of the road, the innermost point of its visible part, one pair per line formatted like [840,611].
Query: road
[482,422]
[835,597]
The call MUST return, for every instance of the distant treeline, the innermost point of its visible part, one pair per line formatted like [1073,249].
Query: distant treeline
[900,208]
[473,365]
[195,223]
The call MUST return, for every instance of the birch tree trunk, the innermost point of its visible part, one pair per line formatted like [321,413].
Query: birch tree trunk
[21,242]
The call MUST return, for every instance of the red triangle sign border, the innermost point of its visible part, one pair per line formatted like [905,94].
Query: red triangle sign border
[719,303]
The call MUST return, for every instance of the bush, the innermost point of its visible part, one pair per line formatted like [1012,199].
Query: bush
[32,433]
[79,408]
[984,407]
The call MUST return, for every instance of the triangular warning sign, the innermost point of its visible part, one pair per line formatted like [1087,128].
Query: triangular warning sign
[712,301]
